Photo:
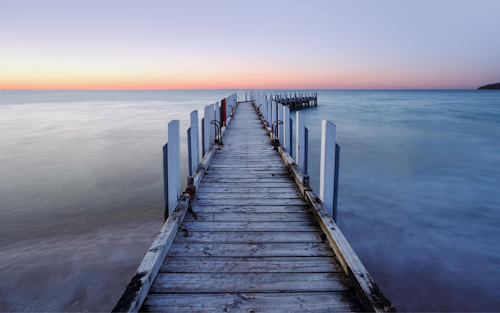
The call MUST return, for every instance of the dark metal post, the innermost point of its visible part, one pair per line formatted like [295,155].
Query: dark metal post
[336,182]
[165,181]
[307,151]
[291,137]
[189,152]
[202,137]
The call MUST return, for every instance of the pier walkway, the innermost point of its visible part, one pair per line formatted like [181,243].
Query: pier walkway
[250,240]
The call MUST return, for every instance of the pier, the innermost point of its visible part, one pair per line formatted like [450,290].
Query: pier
[295,100]
[248,234]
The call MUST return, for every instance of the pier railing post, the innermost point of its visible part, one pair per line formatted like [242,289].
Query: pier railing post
[212,126]
[206,129]
[194,142]
[287,129]
[173,165]
[327,167]
[280,126]
[273,109]
[217,112]
[300,154]
[269,113]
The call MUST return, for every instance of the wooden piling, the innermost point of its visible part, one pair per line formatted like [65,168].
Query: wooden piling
[327,166]
[174,165]
[300,152]
[195,145]
[206,128]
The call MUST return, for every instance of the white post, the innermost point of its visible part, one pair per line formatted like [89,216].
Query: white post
[212,126]
[327,165]
[195,145]
[300,154]
[266,109]
[174,165]
[206,128]
[280,127]
[286,132]
[217,111]
[273,108]
[269,113]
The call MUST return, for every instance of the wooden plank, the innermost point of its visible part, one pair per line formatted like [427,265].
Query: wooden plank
[261,282]
[251,217]
[250,226]
[274,195]
[248,237]
[266,202]
[250,302]
[242,175]
[250,164]
[250,209]
[141,282]
[251,265]
[244,189]
[244,172]
[248,185]
[247,167]
[189,249]
[265,182]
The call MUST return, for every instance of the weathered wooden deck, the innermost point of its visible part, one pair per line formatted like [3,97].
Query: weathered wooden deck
[252,241]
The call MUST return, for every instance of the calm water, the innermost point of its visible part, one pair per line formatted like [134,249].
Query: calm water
[81,191]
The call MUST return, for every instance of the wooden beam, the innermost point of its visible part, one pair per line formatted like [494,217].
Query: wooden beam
[138,288]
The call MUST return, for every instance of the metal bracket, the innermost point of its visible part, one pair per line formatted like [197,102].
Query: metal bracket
[274,132]
[232,111]
[218,138]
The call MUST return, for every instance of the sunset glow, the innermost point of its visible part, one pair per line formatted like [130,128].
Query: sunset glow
[224,45]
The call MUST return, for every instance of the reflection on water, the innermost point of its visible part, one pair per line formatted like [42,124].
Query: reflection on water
[81,191]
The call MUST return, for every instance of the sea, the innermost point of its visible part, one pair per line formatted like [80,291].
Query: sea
[81,194]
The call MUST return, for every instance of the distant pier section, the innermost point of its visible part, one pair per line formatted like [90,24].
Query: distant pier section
[295,100]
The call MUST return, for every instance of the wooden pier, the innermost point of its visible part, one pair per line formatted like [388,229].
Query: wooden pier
[296,99]
[248,234]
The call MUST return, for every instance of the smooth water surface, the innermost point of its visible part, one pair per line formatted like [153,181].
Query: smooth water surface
[81,191]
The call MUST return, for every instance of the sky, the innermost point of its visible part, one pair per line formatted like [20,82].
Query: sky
[281,44]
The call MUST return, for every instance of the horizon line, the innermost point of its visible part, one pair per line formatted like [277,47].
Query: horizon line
[251,89]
